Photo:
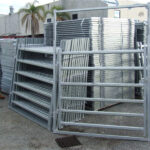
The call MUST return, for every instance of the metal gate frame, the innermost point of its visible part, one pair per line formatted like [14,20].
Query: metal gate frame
[146,84]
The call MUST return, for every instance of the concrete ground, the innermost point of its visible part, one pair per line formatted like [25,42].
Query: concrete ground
[18,133]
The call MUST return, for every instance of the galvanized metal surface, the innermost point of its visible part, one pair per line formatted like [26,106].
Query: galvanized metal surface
[7,58]
[36,78]
[67,30]
[8,53]
[74,76]
[122,31]
[32,88]
[93,126]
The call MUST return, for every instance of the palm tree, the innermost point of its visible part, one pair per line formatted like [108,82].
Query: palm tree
[31,17]
[60,16]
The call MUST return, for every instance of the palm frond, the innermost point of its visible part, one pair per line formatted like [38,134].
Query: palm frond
[35,24]
[28,5]
[24,18]
[40,17]
[27,23]
[55,8]
[35,1]
[60,16]
[24,10]
[64,16]
[38,8]
[32,15]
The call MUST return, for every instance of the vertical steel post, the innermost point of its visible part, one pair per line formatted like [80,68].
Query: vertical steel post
[54,72]
[145,92]
[13,78]
[59,90]
[148,99]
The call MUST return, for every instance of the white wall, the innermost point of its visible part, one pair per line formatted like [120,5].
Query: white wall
[74,4]
[11,24]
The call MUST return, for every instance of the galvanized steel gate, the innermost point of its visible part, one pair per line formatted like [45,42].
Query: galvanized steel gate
[93,122]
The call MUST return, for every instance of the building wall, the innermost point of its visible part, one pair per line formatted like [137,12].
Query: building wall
[11,24]
[2,25]
[74,4]
[136,13]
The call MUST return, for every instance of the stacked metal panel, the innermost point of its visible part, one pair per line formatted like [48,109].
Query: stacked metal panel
[78,44]
[140,40]
[113,34]
[104,34]
[7,57]
[28,42]
[140,33]
[32,90]
[48,34]
[67,30]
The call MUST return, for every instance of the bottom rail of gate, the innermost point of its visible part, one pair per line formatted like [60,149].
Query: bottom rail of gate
[126,120]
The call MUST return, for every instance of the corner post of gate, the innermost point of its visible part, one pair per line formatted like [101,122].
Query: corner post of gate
[148,69]
[54,69]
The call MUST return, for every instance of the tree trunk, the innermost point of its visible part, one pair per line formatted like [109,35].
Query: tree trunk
[32,29]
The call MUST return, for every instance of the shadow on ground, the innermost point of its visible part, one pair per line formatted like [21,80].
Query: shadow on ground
[18,133]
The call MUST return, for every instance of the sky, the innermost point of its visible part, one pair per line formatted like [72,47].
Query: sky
[17,4]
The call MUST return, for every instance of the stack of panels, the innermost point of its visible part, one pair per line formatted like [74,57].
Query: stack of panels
[48,34]
[113,34]
[104,34]
[81,60]
[67,30]
[29,42]
[141,32]
[8,52]
[32,89]
[140,39]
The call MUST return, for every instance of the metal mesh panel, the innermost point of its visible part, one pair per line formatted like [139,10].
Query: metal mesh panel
[113,34]
[32,89]
[111,79]
[79,44]
[7,57]
[67,30]
[104,34]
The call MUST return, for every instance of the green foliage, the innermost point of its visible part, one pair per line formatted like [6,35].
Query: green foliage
[31,17]
[60,16]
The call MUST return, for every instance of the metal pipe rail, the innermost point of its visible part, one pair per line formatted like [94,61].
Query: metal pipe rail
[102,68]
[102,84]
[102,52]
[101,8]
[140,101]
[106,136]
[103,113]
[105,126]
[61,109]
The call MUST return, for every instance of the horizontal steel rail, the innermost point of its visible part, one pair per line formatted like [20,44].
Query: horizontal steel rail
[102,8]
[32,110]
[102,84]
[22,112]
[26,49]
[102,52]
[29,87]
[35,76]
[104,113]
[36,63]
[75,111]
[140,101]
[106,136]
[101,126]
[34,99]
[102,68]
